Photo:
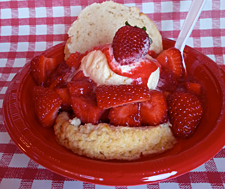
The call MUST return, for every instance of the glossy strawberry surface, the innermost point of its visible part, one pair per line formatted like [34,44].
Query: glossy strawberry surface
[86,109]
[46,104]
[154,110]
[58,77]
[185,113]
[116,95]
[171,59]
[80,87]
[129,44]
[126,115]
[74,60]
[41,67]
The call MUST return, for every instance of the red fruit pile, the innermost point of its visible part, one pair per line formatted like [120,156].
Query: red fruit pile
[132,105]
[61,86]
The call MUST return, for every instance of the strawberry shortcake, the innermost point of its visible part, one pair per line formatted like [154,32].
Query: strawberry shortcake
[117,95]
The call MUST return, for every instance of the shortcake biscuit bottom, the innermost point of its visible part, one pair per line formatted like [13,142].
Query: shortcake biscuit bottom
[107,142]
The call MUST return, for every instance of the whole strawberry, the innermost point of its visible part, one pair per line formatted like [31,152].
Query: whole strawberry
[129,44]
[185,113]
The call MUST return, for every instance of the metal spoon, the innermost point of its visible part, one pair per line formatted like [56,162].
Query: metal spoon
[188,25]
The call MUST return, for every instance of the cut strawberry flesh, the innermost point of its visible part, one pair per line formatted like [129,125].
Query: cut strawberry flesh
[41,67]
[195,88]
[126,115]
[86,109]
[56,78]
[79,75]
[154,111]
[74,60]
[66,99]
[46,104]
[152,54]
[171,59]
[80,87]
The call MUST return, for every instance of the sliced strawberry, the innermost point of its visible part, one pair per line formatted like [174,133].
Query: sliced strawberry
[167,81]
[154,111]
[74,60]
[79,75]
[86,109]
[129,44]
[185,113]
[80,87]
[152,54]
[116,95]
[194,88]
[57,78]
[46,105]
[41,67]
[171,59]
[126,115]
[58,82]
[105,116]
[66,99]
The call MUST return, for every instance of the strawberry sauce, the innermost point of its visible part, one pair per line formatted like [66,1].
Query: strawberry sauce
[139,71]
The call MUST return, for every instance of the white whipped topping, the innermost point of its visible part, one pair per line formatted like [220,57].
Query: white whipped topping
[153,79]
[95,66]
[75,121]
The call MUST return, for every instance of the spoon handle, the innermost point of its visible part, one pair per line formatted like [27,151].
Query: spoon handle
[188,25]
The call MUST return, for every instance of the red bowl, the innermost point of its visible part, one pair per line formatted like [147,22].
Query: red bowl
[39,143]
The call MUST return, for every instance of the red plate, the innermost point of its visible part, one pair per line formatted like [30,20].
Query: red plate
[39,144]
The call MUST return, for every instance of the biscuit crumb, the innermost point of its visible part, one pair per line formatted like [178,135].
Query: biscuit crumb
[108,142]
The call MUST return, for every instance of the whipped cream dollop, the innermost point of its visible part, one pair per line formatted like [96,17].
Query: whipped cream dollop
[95,66]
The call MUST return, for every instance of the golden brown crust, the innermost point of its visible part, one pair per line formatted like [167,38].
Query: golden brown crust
[98,23]
[107,142]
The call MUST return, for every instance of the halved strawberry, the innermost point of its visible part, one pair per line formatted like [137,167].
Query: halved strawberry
[66,99]
[80,87]
[185,113]
[46,105]
[116,95]
[74,60]
[126,115]
[86,109]
[194,88]
[171,59]
[41,67]
[58,82]
[57,78]
[79,75]
[154,111]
